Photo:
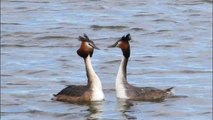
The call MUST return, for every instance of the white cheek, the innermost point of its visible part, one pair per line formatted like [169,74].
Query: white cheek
[119,43]
[89,46]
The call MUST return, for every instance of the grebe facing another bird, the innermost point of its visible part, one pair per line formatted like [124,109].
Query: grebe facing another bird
[124,90]
[93,90]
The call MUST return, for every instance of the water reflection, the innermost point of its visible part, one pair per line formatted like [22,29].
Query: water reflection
[95,109]
[124,106]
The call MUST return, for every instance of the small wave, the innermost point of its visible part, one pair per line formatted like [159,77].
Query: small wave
[10,104]
[38,46]
[112,61]
[138,29]
[98,27]
[29,33]
[195,14]
[163,30]
[17,84]
[55,46]
[21,8]
[204,113]
[34,111]
[28,111]
[53,37]
[35,72]
[136,60]
[61,114]
[144,14]
[164,20]
[209,1]
[150,33]
[22,1]
[62,59]
[55,28]
[149,56]
[6,75]
[166,46]
[161,114]
[194,71]
[31,72]
[178,71]
[18,45]
[11,24]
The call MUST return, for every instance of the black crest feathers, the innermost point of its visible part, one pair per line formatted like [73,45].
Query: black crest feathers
[85,38]
[126,38]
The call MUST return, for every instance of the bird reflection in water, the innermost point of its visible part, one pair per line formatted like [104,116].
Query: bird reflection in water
[124,106]
[95,109]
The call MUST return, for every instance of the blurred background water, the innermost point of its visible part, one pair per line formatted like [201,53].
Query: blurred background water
[171,46]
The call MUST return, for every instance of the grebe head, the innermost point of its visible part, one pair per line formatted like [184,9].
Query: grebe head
[87,46]
[123,43]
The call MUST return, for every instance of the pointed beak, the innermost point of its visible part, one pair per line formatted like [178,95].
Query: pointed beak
[112,46]
[96,47]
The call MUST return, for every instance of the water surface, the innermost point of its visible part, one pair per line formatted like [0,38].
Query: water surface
[171,46]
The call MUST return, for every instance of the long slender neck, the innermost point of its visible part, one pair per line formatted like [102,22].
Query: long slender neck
[93,80]
[121,76]
[121,80]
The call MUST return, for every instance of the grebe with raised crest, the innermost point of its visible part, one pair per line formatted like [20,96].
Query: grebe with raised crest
[84,93]
[124,90]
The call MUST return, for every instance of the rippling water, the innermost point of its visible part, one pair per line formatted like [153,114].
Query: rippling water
[171,46]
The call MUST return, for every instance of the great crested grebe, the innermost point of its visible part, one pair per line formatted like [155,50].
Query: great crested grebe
[124,90]
[93,90]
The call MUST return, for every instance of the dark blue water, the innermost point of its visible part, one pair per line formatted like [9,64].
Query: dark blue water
[171,46]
